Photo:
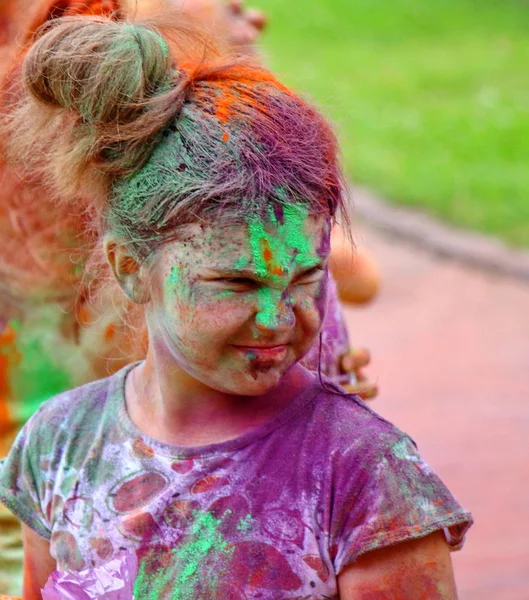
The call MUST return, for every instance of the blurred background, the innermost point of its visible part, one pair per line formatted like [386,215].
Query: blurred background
[430,101]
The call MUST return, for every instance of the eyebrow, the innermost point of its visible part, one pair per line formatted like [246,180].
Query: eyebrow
[223,271]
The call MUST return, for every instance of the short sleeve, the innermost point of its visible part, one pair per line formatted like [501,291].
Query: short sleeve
[22,482]
[395,497]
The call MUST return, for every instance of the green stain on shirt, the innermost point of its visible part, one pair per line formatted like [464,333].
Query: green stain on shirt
[193,565]
[245,523]
[400,450]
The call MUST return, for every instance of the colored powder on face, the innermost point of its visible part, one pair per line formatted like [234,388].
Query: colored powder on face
[269,306]
[225,294]
[294,219]
[177,285]
[258,235]
[274,252]
[188,572]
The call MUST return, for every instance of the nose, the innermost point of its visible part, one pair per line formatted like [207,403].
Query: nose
[276,312]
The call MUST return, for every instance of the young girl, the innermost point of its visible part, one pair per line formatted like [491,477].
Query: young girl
[44,299]
[228,468]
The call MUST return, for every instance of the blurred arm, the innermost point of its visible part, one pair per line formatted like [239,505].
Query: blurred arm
[38,563]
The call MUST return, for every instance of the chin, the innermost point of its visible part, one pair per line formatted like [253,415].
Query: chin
[255,383]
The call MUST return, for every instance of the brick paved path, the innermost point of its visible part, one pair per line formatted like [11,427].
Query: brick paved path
[451,353]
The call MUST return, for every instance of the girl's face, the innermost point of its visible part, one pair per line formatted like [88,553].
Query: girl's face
[236,306]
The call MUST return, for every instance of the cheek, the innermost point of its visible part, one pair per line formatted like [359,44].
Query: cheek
[318,296]
[208,319]
[312,306]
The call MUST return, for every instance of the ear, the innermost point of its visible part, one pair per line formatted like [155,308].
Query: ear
[128,272]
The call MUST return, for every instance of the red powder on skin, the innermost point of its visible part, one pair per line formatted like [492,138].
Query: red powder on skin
[268,259]
[267,253]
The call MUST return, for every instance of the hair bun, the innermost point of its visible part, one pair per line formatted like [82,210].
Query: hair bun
[98,96]
[104,70]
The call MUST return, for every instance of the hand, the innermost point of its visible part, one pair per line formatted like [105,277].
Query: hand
[353,362]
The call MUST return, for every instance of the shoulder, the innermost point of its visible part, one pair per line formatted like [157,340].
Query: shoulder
[54,442]
[351,427]
[77,404]
[71,418]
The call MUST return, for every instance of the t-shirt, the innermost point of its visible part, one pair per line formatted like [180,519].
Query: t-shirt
[276,513]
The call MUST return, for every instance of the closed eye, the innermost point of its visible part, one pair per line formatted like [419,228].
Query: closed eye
[235,283]
[310,276]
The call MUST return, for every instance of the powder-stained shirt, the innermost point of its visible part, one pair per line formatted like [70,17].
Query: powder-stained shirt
[274,514]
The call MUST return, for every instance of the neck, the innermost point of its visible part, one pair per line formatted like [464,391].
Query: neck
[169,405]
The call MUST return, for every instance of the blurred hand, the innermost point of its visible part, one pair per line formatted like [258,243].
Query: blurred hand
[353,362]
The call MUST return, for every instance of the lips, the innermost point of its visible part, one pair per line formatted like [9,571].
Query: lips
[268,351]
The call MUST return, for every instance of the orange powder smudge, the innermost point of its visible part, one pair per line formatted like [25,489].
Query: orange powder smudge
[110,332]
[267,253]
[268,258]
[8,356]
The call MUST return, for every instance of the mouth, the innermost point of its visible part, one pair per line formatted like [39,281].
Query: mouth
[264,351]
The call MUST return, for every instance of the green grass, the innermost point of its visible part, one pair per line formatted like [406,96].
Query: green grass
[430,99]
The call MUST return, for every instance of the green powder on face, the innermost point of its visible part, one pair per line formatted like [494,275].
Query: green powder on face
[193,565]
[274,251]
[294,218]
[176,284]
[259,237]
[241,263]
[225,294]
[269,306]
